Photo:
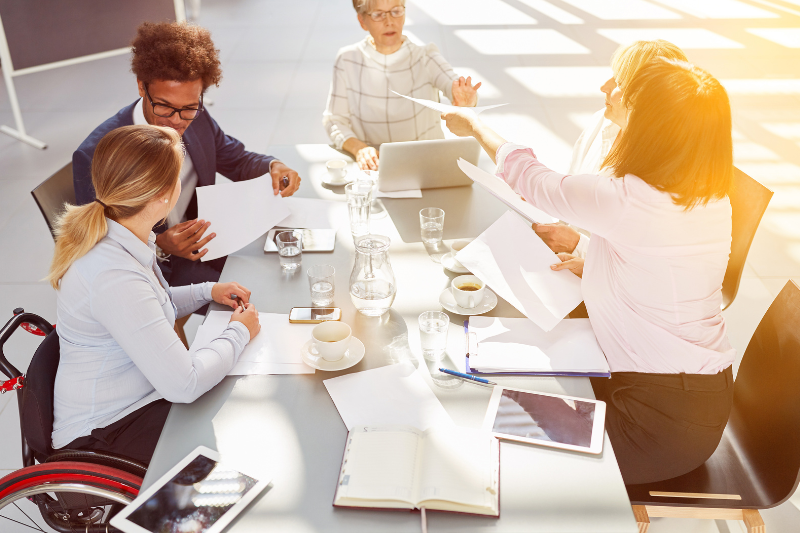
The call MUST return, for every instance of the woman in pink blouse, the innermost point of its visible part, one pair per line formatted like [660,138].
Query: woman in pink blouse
[661,235]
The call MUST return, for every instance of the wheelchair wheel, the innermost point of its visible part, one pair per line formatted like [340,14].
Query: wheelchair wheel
[72,496]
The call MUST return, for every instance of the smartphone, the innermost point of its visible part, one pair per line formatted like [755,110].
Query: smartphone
[314,315]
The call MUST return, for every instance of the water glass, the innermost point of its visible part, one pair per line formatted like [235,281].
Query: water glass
[433,334]
[320,279]
[290,249]
[431,224]
[359,197]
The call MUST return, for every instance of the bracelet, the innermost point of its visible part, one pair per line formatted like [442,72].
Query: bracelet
[160,255]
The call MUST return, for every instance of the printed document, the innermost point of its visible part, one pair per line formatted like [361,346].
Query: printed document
[511,259]
[445,108]
[239,213]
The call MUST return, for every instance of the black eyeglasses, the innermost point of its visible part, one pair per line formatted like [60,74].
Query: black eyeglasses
[166,111]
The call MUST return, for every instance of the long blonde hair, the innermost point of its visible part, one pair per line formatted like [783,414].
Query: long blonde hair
[131,166]
[627,60]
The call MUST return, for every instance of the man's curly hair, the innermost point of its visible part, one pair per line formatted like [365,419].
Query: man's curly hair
[175,51]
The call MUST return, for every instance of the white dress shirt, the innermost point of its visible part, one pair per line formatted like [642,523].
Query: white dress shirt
[652,282]
[119,351]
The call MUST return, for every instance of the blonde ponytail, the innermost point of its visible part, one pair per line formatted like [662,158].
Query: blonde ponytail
[131,166]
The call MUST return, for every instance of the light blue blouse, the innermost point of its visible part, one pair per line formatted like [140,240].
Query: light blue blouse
[119,350]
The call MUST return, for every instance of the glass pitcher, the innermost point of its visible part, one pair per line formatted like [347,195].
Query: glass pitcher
[372,283]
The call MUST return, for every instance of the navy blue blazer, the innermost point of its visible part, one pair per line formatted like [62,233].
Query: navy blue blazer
[210,149]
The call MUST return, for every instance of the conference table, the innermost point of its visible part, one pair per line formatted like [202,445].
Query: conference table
[286,427]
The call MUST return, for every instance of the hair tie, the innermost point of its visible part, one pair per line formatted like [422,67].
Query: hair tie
[101,203]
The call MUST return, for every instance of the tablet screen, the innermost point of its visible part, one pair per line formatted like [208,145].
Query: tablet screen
[545,418]
[194,499]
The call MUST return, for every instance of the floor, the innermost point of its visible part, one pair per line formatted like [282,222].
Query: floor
[546,59]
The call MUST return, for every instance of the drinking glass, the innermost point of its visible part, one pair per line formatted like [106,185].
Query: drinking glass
[359,197]
[290,249]
[433,334]
[431,224]
[320,279]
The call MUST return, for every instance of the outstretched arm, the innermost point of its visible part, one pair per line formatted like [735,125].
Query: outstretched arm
[467,124]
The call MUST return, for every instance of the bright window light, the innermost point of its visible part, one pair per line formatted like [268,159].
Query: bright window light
[623,9]
[719,9]
[555,13]
[551,149]
[772,173]
[750,151]
[562,82]
[686,38]
[762,87]
[788,37]
[788,130]
[520,42]
[413,38]
[487,90]
[787,225]
[472,12]
[582,120]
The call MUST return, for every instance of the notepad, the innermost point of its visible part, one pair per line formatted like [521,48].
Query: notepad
[515,345]
[400,467]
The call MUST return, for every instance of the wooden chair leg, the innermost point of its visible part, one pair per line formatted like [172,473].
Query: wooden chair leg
[179,323]
[752,519]
[642,519]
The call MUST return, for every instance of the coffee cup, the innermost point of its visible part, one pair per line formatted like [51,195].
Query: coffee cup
[467,291]
[330,340]
[337,169]
[457,247]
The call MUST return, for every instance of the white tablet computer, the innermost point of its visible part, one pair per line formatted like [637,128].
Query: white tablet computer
[546,419]
[200,494]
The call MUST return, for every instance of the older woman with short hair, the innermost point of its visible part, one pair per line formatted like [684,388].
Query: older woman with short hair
[362,111]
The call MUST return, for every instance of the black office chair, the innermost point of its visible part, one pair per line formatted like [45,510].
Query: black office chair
[757,463]
[53,193]
[749,200]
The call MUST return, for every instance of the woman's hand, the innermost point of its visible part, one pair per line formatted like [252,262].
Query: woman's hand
[558,237]
[367,158]
[464,93]
[248,317]
[461,123]
[221,293]
[569,262]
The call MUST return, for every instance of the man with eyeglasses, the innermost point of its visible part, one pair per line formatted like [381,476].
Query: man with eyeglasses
[174,64]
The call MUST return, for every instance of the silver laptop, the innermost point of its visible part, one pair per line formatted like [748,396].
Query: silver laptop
[425,164]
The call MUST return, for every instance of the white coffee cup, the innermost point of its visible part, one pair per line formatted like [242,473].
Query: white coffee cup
[467,298]
[337,169]
[457,247]
[331,340]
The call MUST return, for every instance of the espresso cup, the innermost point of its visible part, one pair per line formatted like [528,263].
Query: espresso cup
[467,291]
[457,247]
[337,169]
[330,340]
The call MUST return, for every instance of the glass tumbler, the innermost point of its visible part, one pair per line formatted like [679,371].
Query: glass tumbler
[290,249]
[431,224]
[320,280]
[359,198]
[433,334]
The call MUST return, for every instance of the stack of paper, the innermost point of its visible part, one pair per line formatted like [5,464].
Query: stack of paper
[514,345]
[275,350]
[389,395]
[511,259]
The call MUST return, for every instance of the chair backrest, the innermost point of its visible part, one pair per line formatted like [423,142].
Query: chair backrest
[749,200]
[765,419]
[37,397]
[53,193]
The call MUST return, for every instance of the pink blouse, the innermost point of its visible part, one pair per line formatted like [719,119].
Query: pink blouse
[652,279]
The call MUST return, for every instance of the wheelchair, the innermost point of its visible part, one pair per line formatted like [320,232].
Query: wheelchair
[74,490]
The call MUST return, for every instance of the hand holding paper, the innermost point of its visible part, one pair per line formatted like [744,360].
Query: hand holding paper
[445,108]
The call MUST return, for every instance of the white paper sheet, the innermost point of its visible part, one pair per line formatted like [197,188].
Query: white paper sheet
[445,108]
[275,350]
[515,263]
[513,344]
[500,190]
[394,394]
[311,213]
[239,213]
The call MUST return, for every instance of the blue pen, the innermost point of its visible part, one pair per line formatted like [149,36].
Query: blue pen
[284,182]
[466,376]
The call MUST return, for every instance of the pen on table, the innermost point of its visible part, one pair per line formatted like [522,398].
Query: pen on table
[467,377]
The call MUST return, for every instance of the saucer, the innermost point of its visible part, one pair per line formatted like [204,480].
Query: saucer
[351,357]
[449,262]
[449,303]
[348,178]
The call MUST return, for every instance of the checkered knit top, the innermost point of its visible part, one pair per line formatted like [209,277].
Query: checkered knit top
[361,103]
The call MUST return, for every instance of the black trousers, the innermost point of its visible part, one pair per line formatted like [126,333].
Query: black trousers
[134,436]
[664,425]
[178,271]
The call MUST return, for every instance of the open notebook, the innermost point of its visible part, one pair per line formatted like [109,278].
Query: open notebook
[445,468]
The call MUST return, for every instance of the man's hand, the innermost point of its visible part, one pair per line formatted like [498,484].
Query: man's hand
[570,262]
[464,93]
[559,237]
[222,294]
[367,158]
[185,239]
[277,171]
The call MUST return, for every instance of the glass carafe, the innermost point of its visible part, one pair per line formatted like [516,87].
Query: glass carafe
[372,284]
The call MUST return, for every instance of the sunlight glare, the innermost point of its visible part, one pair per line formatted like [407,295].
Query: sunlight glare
[772,173]
[472,12]
[788,37]
[624,10]
[773,86]
[750,151]
[520,42]
[555,13]
[562,82]
[487,90]
[686,38]
[582,120]
[551,149]
[719,9]
[788,130]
